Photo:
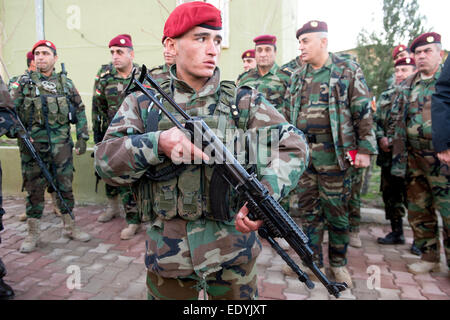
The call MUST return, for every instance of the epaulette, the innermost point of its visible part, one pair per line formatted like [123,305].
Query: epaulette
[158,68]
[104,70]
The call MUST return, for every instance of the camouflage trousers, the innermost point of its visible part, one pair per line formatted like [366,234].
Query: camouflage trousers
[322,198]
[393,191]
[34,181]
[428,190]
[233,283]
[126,195]
[354,204]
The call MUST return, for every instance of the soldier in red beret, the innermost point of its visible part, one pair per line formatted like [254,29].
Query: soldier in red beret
[414,155]
[190,247]
[48,104]
[267,77]
[401,51]
[404,67]
[110,82]
[248,59]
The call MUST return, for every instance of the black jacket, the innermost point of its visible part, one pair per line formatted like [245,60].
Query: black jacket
[440,111]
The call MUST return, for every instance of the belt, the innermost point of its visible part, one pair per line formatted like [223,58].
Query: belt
[421,144]
[319,138]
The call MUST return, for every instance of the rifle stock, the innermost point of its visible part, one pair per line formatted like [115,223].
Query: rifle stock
[261,205]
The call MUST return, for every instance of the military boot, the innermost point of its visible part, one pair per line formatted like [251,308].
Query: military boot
[73,232]
[6,292]
[355,240]
[23,217]
[341,274]
[396,236]
[113,210]
[55,205]
[129,232]
[30,242]
[415,250]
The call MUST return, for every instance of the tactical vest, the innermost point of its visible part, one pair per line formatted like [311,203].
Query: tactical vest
[187,193]
[45,101]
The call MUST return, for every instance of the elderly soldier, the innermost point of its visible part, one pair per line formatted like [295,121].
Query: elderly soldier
[190,248]
[427,179]
[109,92]
[267,77]
[329,101]
[392,187]
[47,103]
[8,126]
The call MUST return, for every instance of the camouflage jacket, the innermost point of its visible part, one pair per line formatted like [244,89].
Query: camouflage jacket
[272,85]
[411,115]
[382,122]
[34,93]
[179,247]
[349,107]
[160,73]
[109,93]
[291,66]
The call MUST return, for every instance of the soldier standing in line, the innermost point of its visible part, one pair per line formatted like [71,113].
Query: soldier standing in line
[392,187]
[109,93]
[31,66]
[329,101]
[8,126]
[190,248]
[414,156]
[267,77]
[47,103]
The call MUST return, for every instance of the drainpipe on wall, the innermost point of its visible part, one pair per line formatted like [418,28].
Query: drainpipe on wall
[39,9]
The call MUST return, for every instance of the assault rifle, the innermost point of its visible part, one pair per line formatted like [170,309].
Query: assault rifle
[23,134]
[72,113]
[261,205]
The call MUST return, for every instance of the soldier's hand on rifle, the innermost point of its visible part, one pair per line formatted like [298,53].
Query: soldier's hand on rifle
[80,146]
[244,224]
[362,160]
[174,144]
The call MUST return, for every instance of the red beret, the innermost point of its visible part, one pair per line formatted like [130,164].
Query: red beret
[44,43]
[122,40]
[248,54]
[265,39]
[189,15]
[30,56]
[312,26]
[398,49]
[405,62]
[424,39]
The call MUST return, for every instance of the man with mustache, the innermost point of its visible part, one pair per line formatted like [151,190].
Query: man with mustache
[329,101]
[414,156]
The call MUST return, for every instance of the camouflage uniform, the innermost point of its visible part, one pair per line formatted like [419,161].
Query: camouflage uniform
[332,107]
[427,180]
[272,85]
[30,94]
[109,93]
[291,66]
[186,244]
[354,204]
[160,73]
[392,187]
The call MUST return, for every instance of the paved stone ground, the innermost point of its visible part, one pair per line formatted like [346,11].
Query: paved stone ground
[110,268]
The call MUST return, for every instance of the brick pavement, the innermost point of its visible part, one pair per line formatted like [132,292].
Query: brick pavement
[111,268]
